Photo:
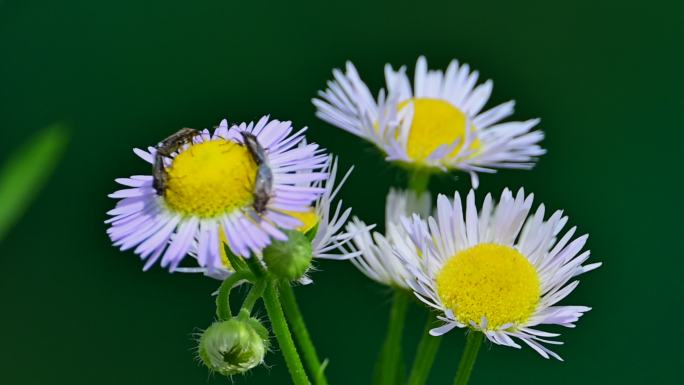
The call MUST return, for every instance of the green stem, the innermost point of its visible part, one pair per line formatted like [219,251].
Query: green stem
[389,366]
[425,356]
[294,317]
[254,294]
[473,342]
[419,180]
[282,333]
[222,299]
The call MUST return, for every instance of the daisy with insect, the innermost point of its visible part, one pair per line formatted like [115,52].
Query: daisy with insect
[213,190]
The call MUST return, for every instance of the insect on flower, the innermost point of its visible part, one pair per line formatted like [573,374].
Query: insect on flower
[166,148]
[263,184]
[201,195]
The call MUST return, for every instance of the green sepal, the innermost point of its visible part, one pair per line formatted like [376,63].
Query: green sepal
[311,234]
[237,263]
[255,267]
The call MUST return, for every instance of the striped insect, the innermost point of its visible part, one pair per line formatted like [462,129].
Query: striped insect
[263,184]
[165,149]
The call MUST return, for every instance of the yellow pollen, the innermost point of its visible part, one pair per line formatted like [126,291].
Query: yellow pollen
[489,280]
[435,122]
[211,178]
[309,219]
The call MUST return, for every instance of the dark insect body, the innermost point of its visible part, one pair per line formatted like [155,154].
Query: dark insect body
[258,153]
[164,150]
[263,185]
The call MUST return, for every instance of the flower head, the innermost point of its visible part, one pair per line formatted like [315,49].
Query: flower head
[209,194]
[498,271]
[436,124]
[376,258]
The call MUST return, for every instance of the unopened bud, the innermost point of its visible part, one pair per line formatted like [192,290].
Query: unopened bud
[289,259]
[233,346]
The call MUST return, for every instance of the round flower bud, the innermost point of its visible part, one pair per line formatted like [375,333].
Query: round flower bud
[289,259]
[234,346]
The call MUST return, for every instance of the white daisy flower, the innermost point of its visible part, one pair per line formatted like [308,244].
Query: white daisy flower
[376,258]
[500,272]
[209,195]
[329,242]
[436,124]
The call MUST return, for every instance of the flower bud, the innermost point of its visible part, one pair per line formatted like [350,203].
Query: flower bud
[233,346]
[289,259]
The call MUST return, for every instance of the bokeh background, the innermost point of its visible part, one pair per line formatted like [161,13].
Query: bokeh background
[605,77]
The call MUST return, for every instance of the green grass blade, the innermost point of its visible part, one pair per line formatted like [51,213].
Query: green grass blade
[24,173]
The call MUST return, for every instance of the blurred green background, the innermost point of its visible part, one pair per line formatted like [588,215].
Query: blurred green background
[606,79]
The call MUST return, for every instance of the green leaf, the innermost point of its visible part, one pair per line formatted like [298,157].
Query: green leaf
[25,172]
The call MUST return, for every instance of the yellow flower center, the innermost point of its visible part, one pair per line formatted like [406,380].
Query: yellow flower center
[211,178]
[489,280]
[309,219]
[435,122]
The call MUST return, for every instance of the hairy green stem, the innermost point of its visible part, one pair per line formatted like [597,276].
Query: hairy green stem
[425,356]
[294,317]
[473,342]
[282,333]
[389,368]
[254,294]
[222,299]
[418,180]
